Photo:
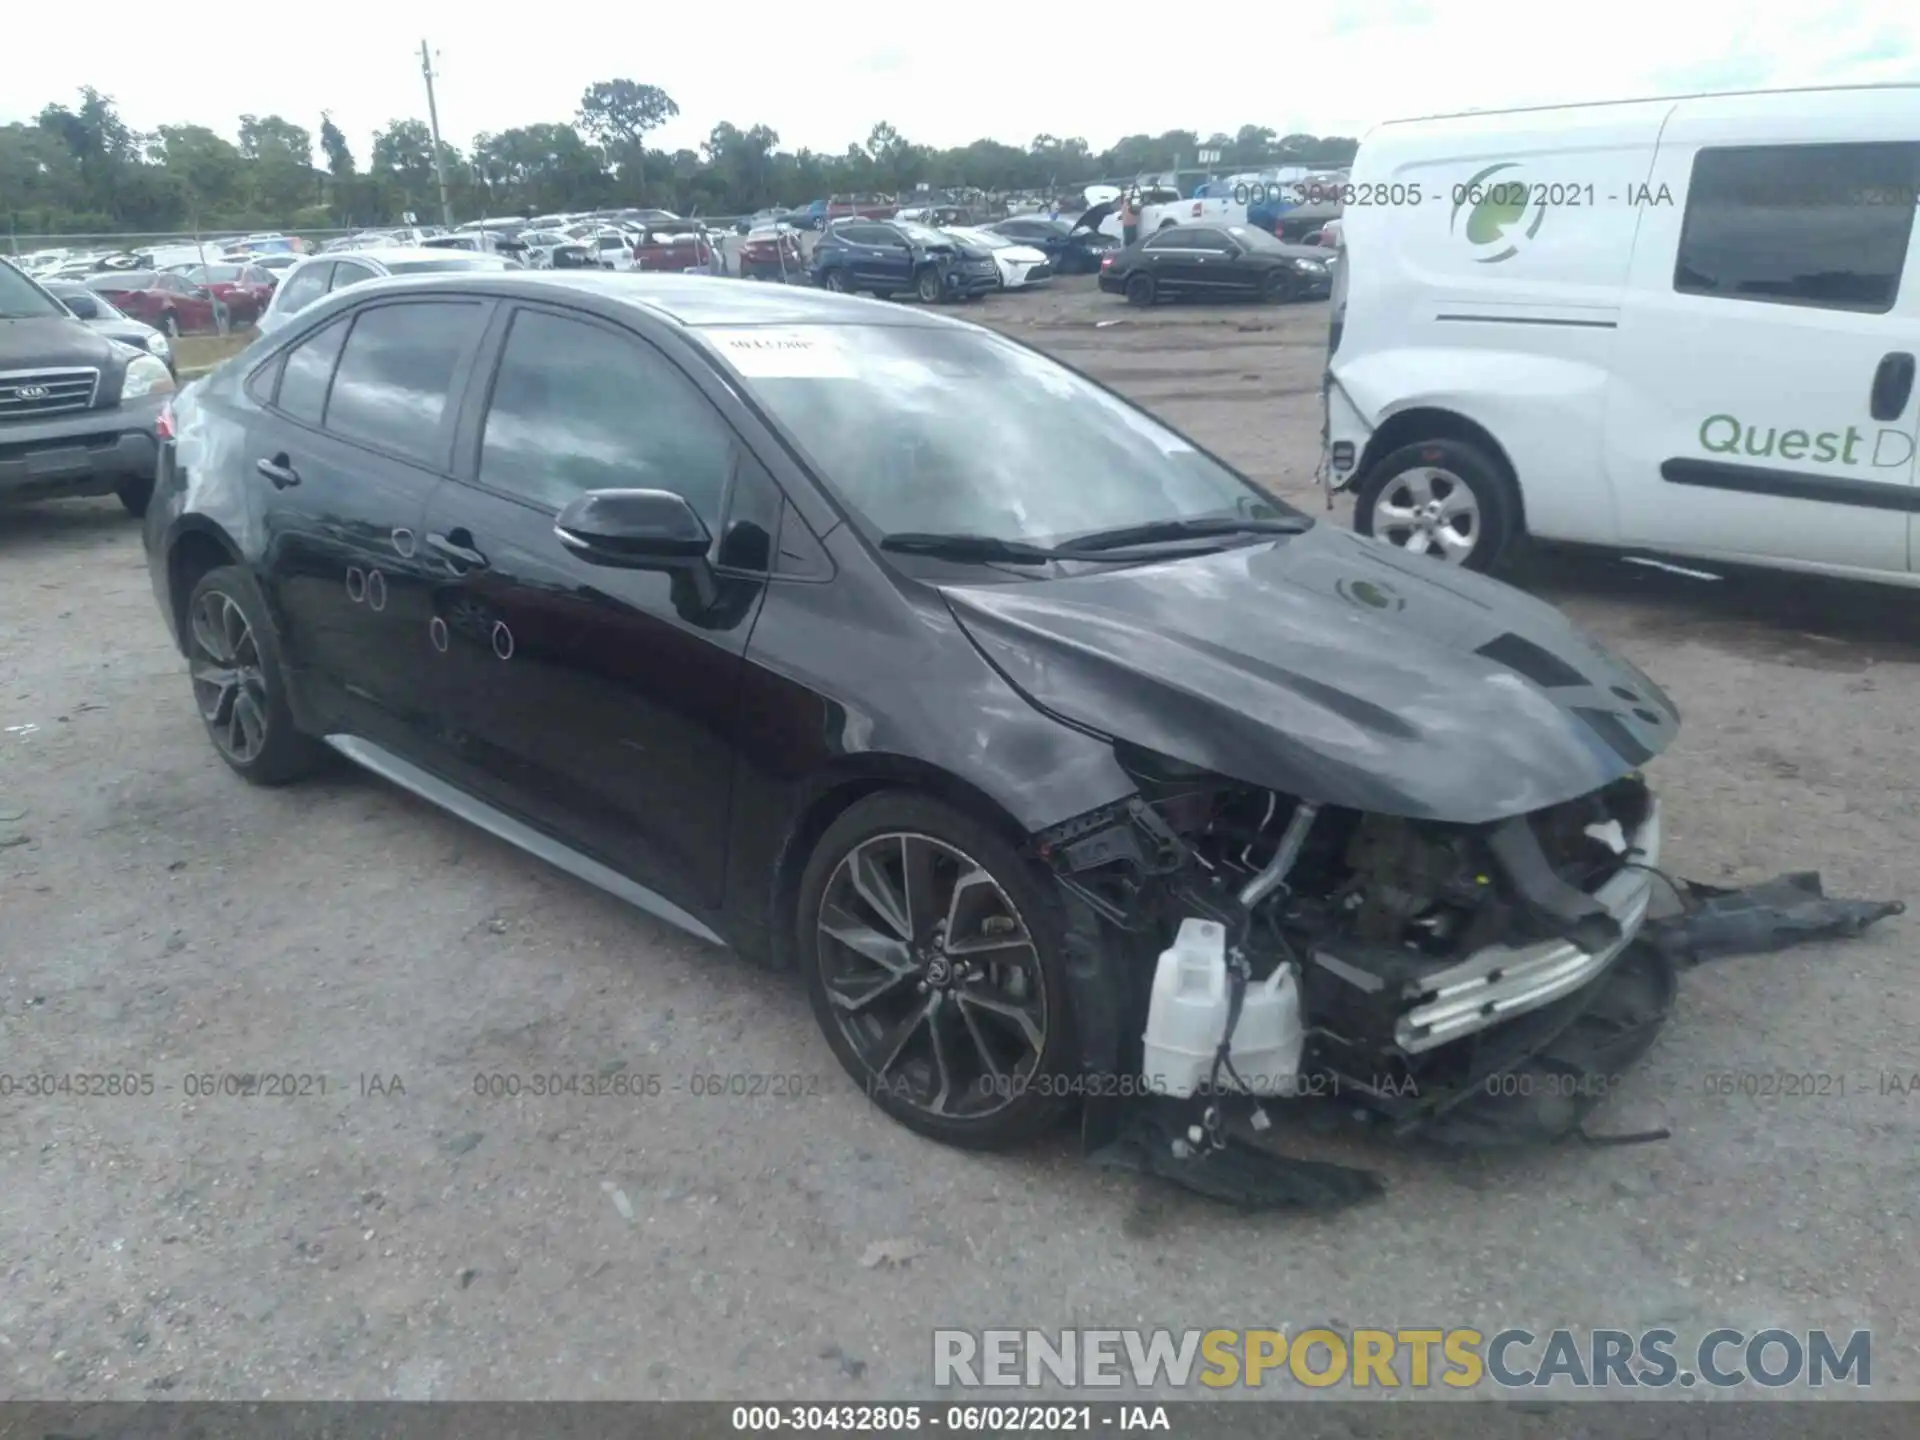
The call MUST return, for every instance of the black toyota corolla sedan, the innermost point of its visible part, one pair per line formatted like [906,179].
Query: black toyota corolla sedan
[869,641]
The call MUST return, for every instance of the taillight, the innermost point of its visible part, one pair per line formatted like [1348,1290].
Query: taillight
[163,427]
[1106,262]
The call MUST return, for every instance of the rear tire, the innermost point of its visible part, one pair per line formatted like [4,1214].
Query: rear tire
[1457,476]
[967,1060]
[239,682]
[1141,290]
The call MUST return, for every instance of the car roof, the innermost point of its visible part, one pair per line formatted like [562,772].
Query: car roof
[690,301]
[404,254]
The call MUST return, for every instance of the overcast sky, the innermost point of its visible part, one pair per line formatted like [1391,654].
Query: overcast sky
[822,76]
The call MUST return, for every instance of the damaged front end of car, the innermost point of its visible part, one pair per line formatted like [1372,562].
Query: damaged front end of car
[1424,960]
[1386,843]
[1470,986]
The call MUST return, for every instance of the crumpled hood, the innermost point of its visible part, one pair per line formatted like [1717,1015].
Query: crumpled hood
[1333,668]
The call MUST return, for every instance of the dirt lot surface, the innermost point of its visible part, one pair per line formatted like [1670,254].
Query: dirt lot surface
[400,1236]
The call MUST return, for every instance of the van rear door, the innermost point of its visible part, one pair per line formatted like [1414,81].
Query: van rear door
[1761,403]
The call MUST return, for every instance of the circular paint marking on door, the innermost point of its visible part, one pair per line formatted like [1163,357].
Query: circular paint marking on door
[404,542]
[377,590]
[502,640]
[1372,594]
[356,584]
[437,633]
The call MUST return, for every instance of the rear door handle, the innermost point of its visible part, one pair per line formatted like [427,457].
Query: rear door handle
[1892,385]
[282,474]
[458,547]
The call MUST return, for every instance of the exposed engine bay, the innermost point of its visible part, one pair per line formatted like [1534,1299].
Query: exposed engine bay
[1470,984]
[1406,937]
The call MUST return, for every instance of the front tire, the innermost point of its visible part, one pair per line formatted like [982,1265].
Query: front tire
[136,493]
[1278,287]
[933,956]
[240,684]
[1449,499]
[927,286]
[837,282]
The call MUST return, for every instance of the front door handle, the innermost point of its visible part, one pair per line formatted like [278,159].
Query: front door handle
[1892,385]
[282,474]
[457,546]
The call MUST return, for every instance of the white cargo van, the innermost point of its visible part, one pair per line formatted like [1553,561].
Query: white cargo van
[1684,325]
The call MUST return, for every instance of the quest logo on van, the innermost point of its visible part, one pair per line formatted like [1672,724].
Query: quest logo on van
[1729,435]
[1499,218]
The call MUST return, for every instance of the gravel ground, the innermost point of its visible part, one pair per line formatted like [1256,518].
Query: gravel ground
[401,1237]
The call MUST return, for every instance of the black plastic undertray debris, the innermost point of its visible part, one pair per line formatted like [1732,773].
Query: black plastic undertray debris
[1713,924]
[1785,911]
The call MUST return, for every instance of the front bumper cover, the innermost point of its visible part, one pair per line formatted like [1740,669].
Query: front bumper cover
[91,452]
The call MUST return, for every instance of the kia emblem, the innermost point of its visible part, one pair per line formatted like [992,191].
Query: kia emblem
[32,392]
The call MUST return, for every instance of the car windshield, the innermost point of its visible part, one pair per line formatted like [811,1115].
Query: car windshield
[214,274]
[951,431]
[104,309]
[21,299]
[123,280]
[983,237]
[922,234]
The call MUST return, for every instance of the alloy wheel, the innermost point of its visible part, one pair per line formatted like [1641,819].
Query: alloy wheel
[1429,511]
[229,682]
[932,975]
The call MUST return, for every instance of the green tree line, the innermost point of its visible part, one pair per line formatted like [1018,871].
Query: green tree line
[80,169]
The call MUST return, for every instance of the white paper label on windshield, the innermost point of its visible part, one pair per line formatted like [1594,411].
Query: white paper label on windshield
[785,354]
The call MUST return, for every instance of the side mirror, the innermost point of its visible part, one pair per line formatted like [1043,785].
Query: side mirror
[200,292]
[640,530]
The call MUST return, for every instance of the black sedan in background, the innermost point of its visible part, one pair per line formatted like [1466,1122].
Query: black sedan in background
[1217,262]
[879,644]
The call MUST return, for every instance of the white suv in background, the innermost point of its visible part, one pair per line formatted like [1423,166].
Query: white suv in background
[319,275]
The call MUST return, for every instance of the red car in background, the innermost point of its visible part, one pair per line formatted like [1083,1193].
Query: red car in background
[246,289]
[674,249]
[172,304]
[772,252]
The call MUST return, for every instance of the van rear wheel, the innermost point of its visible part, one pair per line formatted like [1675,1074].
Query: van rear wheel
[1448,499]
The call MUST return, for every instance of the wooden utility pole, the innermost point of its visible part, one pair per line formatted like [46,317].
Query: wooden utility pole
[433,124]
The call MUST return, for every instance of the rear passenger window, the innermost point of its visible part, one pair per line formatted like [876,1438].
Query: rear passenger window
[395,379]
[308,368]
[303,289]
[1819,225]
